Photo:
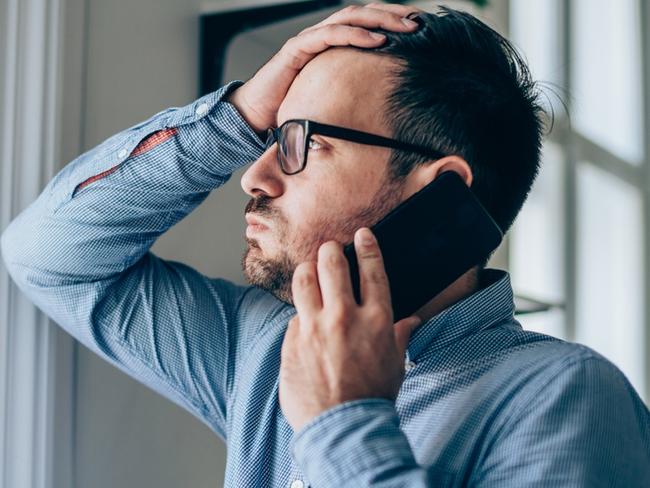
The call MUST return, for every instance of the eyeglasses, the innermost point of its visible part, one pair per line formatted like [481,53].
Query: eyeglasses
[293,138]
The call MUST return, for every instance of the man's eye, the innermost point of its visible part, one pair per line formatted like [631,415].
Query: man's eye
[315,145]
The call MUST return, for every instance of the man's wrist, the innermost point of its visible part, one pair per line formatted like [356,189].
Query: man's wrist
[350,439]
[237,99]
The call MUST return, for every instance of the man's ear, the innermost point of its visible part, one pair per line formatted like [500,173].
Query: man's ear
[422,175]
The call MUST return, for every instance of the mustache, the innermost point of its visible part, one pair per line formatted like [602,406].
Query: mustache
[260,206]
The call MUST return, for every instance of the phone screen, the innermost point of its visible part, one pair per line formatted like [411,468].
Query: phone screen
[428,241]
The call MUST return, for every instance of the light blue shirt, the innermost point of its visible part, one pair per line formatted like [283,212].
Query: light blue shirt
[483,403]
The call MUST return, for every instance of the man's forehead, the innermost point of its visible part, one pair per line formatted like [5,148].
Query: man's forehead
[340,86]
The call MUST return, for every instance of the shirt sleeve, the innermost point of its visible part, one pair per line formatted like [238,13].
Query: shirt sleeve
[586,427]
[80,252]
[357,443]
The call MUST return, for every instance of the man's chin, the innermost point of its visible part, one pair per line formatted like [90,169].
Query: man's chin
[272,275]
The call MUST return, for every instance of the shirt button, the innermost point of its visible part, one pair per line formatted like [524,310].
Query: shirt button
[409,365]
[297,484]
[122,153]
[201,109]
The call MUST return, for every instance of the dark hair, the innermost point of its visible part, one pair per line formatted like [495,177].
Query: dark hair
[463,89]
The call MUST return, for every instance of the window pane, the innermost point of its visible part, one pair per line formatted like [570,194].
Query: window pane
[550,322]
[537,244]
[534,30]
[606,73]
[610,308]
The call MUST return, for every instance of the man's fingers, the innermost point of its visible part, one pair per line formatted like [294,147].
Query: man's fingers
[403,330]
[305,290]
[371,18]
[301,50]
[334,277]
[260,97]
[373,281]
[401,10]
[386,16]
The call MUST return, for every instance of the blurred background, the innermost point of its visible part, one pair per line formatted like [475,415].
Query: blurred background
[73,72]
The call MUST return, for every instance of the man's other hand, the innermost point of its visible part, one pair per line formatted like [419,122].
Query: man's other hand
[260,97]
[336,350]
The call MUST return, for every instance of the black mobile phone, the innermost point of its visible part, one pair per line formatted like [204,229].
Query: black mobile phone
[428,241]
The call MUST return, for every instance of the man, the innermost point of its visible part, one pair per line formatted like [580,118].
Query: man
[306,386]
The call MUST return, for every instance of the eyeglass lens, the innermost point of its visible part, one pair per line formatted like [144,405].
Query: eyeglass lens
[292,147]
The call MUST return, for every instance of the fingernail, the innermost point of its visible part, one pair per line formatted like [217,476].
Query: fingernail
[409,22]
[366,236]
[377,36]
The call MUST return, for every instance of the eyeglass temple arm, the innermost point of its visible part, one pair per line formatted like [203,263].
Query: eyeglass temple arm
[370,139]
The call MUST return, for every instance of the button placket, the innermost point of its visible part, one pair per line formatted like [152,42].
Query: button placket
[297,478]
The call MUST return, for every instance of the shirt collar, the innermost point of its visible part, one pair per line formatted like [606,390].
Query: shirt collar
[492,303]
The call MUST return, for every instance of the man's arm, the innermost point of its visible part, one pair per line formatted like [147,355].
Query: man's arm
[358,443]
[81,252]
[585,427]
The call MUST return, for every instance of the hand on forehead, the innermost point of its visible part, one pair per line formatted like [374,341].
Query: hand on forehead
[340,86]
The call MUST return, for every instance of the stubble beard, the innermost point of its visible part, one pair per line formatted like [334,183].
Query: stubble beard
[275,274]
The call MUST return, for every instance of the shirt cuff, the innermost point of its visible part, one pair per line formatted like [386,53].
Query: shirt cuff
[227,132]
[256,140]
[352,440]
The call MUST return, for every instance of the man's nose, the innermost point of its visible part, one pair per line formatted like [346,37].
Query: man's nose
[264,175]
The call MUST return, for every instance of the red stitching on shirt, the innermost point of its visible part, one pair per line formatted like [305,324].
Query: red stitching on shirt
[145,145]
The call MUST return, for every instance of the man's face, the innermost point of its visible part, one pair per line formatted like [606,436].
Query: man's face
[344,185]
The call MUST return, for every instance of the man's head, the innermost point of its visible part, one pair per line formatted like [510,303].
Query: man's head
[453,85]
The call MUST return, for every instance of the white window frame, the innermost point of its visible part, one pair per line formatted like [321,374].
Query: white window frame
[578,147]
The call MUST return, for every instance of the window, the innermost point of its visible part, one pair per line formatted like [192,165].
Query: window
[582,240]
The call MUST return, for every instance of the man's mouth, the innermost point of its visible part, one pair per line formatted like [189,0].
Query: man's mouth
[255,229]
[255,222]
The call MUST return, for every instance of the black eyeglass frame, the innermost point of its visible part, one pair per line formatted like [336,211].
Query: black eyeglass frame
[311,127]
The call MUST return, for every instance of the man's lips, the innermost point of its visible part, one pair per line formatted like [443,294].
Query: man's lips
[255,225]
[255,221]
